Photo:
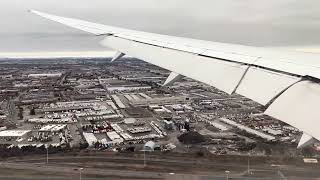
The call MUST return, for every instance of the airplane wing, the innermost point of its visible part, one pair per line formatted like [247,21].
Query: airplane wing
[287,83]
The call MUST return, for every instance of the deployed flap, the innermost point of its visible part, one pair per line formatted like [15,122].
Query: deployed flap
[305,140]
[299,107]
[117,56]
[221,74]
[173,77]
[262,85]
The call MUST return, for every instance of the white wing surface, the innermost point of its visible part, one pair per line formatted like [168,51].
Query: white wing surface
[286,82]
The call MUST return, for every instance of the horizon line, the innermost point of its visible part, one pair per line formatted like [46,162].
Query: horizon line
[57,54]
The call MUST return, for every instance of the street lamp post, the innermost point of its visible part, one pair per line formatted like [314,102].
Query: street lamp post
[144,158]
[249,163]
[80,169]
[149,146]
[227,174]
[47,155]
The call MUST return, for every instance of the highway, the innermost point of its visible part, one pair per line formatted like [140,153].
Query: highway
[99,166]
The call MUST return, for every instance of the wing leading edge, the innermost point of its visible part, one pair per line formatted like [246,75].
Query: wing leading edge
[286,82]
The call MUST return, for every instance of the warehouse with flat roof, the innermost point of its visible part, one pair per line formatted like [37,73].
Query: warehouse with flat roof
[14,133]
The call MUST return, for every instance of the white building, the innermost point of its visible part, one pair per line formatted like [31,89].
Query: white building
[14,133]
[45,75]
[90,138]
[114,136]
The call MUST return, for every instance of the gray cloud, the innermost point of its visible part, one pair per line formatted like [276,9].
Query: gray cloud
[250,22]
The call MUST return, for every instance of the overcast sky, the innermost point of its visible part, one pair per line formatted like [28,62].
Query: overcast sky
[249,22]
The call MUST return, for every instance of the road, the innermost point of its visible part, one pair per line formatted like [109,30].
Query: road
[164,166]
[28,171]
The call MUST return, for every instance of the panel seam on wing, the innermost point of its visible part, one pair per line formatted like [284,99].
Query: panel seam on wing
[242,77]
[281,92]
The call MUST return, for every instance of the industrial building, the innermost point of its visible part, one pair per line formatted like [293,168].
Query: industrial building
[114,136]
[53,128]
[149,146]
[249,130]
[46,75]
[13,134]
[118,102]
[90,139]
[160,101]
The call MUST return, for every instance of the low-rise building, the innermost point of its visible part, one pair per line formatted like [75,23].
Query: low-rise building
[90,138]
[46,75]
[14,134]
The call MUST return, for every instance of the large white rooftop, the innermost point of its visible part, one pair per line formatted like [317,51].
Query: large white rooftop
[45,75]
[249,130]
[90,138]
[13,133]
[113,135]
